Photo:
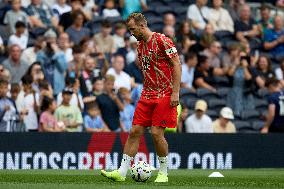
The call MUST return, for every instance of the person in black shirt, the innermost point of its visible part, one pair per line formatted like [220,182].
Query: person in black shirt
[110,105]
[275,117]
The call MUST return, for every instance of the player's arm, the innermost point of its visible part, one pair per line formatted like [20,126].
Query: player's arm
[176,80]
[269,119]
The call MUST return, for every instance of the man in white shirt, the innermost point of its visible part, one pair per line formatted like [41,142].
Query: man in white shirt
[199,122]
[188,68]
[199,14]
[122,79]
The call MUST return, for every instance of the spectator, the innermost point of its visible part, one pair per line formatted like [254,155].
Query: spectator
[185,37]
[188,70]
[213,54]
[48,122]
[220,19]
[93,121]
[240,95]
[204,74]
[279,73]
[275,115]
[169,19]
[122,79]
[68,114]
[67,19]
[134,71]
[232,57]
[87,75]
[199,122]
[265,22]
[76,65]
[199,14]
[246,28]
[45,90]
[53,63]
[29,55]
[14,64]
[136,93]
[110,104]
[274,39]
[19,38]
[89,8]
[15,15]
[36,72]
[103,39]
[129,51]
[61,7]
[76,98]
[77,31]
[120,31]
[30,104]
[280,4]
[41,17]
[14,92]
[224,124]
[126,116]
[262,72]
[206,39]
[65,45]
[8,110]
[110,10]
[234,7]
[130,6]
[98,86]
[169,31]
[2,48]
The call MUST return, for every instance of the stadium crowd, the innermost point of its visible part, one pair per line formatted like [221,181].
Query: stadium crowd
[72,65]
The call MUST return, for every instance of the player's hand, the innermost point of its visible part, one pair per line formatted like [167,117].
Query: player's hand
[174,99]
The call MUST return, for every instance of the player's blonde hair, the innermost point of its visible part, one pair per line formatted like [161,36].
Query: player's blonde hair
[138,18]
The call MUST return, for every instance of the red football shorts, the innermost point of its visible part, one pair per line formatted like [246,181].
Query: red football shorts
[155,112]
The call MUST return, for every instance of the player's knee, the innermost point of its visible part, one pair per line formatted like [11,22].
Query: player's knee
[157,133]
[136,132]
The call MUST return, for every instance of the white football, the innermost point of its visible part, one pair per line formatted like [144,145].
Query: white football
[141,171]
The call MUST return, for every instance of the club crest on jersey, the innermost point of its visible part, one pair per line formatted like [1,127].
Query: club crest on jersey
[146,62]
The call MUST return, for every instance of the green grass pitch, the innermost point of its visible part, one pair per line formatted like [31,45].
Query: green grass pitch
[191,179]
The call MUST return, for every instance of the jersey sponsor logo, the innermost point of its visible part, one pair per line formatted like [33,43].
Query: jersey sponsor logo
[171,51]
[146,63]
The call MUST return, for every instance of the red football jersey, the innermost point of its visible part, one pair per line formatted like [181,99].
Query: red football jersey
[157,70]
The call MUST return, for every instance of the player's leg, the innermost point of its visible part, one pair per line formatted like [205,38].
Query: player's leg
[164,116]
[142,118]
[130,148]
[161,147]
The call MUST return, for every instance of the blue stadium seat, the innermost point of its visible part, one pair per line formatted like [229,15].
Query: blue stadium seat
[258,125]
[244,127]
[223,92]
[261,105]
[190,103]
[156,27]
[221,81]
[151,13]
[187,93]
[181,11]
[115,19]
[155,20]
[206,94]
[163,9]
[216,104]
[212,114]
[157,3]
[263,93]
[250,115]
